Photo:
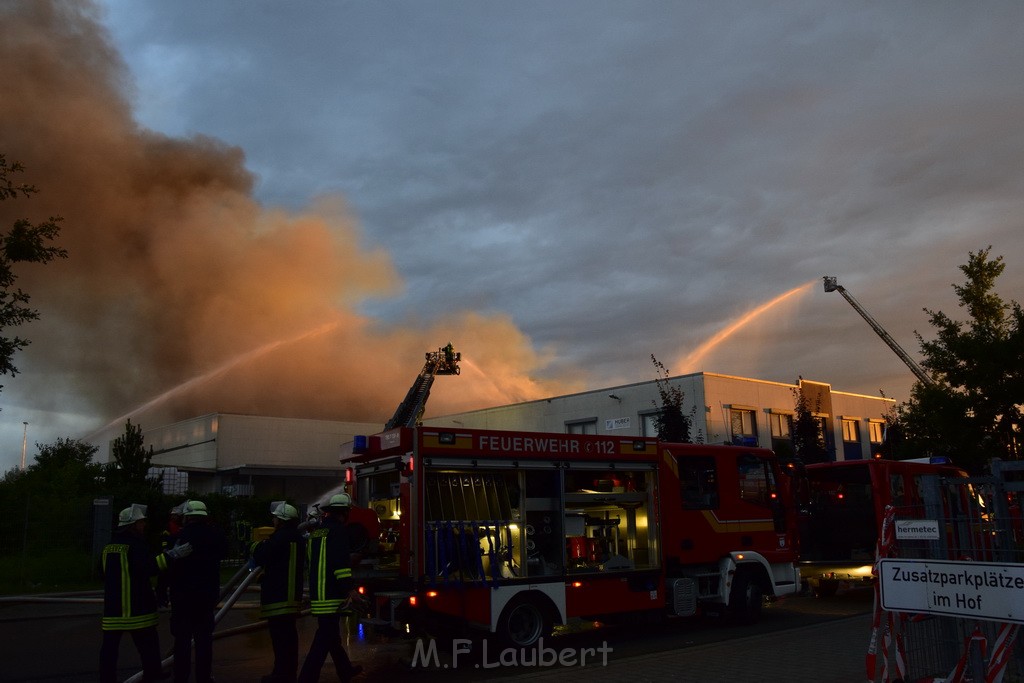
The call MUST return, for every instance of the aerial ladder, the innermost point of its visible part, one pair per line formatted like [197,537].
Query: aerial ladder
[832,286]
[444,361]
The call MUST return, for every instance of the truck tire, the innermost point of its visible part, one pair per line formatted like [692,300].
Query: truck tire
[745,599]
[523,622]
[826,588]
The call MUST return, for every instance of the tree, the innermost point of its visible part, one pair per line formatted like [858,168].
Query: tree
[130,458]
[809,444]
[672,424]
[973,411]
[25,242]
[65,467]
[62,469]
[64,451]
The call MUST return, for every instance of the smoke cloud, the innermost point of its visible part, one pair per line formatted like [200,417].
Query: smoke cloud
[175,270]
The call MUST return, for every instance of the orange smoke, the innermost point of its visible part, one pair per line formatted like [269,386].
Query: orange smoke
[182,294]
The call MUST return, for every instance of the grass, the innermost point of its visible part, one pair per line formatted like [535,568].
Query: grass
[51,571]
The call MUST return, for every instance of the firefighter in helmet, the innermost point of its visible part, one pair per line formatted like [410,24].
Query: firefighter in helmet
[195,590]
[168,537]
[129,604]
[330,585]
[282,557]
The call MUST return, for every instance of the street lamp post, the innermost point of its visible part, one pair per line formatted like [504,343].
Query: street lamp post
[24,444]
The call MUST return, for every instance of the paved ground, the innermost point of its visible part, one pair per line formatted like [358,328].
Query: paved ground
[821,653]
[58,642]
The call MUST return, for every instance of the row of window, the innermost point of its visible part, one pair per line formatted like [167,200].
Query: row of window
[743,425]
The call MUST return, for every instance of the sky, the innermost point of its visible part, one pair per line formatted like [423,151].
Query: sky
[276,208]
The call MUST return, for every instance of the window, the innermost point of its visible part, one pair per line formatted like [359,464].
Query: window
[841,526]
[897,490]
[851,430]
[757,483]
[782,425]
[876,431]
[822,431]
[744,426]
[699,481]
[649,424]
[582,427]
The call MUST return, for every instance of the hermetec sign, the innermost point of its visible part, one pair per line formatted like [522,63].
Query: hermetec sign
[978,590]
[917,529]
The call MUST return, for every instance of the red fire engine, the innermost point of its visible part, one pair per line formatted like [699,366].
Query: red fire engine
[845,503]
[514,532]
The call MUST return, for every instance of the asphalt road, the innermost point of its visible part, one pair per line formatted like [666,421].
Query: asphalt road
[58,642]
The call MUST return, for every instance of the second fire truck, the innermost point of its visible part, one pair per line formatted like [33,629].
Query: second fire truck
[844,504]
[515,532]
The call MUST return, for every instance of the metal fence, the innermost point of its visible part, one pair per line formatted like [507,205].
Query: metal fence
[979,520]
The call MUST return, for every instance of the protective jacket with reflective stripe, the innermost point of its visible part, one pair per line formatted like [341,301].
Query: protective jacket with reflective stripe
[330,573]
[128,599]
[283,558]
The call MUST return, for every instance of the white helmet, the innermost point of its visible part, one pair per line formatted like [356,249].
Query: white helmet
[285,512]
[191,508]
[339,501]
[131,514]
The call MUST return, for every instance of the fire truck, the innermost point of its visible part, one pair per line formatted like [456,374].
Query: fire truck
[515,532]
[844,503]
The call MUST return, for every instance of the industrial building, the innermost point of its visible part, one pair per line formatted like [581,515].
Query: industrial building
[723,410]
[248,455]
[298,459]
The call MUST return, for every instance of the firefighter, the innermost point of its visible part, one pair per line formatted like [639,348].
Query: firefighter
[174,522]
[282,557]
[330,585]
[129,604]
[168,537]
[195,590]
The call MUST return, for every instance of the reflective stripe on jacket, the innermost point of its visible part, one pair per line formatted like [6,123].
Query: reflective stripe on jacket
[128,599]
[330,573]
[282,557]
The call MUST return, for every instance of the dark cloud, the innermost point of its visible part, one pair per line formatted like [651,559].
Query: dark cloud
[598,181]
[178,278]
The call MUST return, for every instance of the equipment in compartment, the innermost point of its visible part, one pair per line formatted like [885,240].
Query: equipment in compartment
[593,542]
[470,534]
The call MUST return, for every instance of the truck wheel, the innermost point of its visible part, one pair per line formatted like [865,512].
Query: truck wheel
[523,623]
[745,600]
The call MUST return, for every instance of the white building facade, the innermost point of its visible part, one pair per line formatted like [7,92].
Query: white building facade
[299,459]
[722,408]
